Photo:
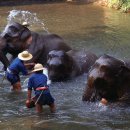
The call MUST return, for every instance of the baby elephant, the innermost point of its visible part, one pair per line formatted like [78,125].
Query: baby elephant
[109,78]
[66,65]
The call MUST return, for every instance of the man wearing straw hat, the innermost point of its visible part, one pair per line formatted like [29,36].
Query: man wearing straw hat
[38,82]
[18,65]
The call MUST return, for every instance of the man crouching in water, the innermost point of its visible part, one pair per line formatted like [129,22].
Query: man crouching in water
[18,65]
[38,82]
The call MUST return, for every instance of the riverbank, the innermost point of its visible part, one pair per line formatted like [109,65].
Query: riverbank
[26,2]
[123,5]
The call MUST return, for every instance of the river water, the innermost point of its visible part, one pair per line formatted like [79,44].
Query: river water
[84,27]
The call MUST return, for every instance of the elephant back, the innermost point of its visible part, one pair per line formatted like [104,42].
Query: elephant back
[42,44]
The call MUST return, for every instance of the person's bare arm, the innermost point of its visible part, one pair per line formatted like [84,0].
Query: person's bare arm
[29,95]
[29,64]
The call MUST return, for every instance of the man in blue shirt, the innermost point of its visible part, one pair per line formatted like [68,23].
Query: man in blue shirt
[38,82]
[17,66]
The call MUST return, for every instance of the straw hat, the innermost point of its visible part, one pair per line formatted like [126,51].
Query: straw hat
[38,67]
[25,56]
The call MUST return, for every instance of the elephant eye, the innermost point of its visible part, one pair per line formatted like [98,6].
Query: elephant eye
[13,29]
[50,57]
[103,68]
[96,65]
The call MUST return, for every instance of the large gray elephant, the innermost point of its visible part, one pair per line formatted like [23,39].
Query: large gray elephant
[14,39]
[66,65]
[108,78]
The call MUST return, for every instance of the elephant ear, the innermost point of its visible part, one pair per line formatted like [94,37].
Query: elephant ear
[10,32]
[70,62]
[24,34]
[124,69]
[124,74]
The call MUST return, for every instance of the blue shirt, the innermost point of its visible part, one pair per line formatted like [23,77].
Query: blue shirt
[17,66]
[37,80]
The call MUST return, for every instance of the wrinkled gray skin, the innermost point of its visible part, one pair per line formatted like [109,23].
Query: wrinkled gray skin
[108,78]
[42,45]
[66,65]
[13,41]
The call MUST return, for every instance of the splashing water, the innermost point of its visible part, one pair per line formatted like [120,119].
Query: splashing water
[101,107]
[21,16]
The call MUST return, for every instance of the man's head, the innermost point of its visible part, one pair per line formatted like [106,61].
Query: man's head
[38,68]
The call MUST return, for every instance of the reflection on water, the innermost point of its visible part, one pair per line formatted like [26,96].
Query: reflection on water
[90,27]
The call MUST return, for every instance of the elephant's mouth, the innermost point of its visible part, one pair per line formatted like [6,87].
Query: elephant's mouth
[100,83]
[58,78]
[105,89]
[101,87]
[58,73]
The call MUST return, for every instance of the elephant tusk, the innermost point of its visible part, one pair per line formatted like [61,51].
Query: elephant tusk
[104,101]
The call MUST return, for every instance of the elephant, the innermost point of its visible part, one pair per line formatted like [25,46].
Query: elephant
[108,78]
[14,39]
[66,65]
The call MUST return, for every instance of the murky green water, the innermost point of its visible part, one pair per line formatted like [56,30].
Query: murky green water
[90,27]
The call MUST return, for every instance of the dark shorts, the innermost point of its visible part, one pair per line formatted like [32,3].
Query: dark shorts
[12,78]
[45,99]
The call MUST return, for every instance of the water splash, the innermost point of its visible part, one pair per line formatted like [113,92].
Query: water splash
[45,71]
[101,107]
[21,16]
[25,84]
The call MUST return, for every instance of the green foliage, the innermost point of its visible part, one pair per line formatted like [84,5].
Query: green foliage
[124,5]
